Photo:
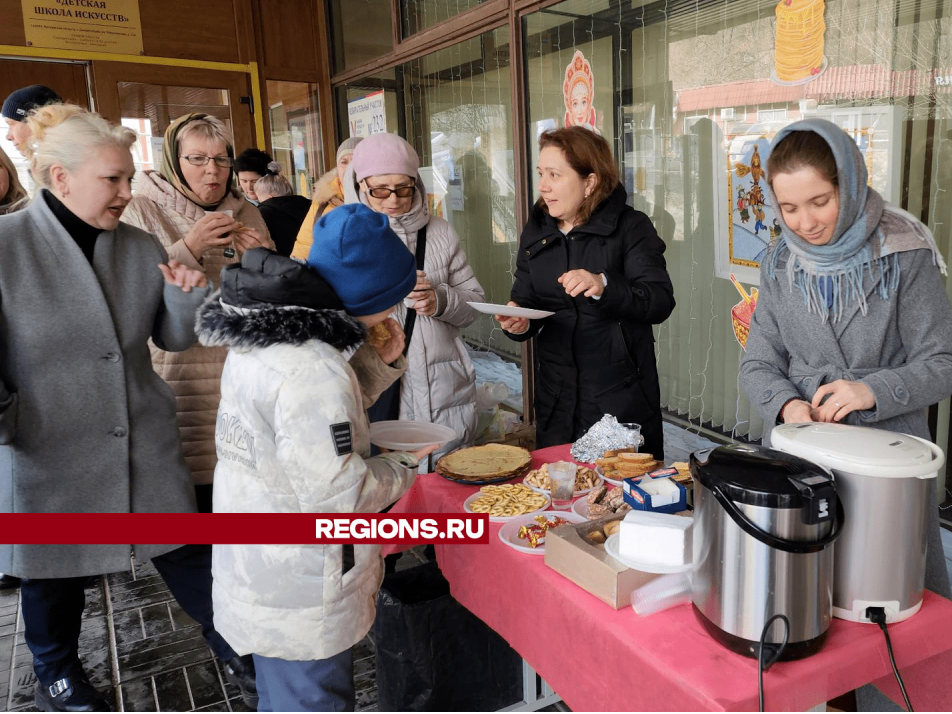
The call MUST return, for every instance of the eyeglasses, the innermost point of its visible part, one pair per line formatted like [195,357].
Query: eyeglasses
[384,192]
[223,162]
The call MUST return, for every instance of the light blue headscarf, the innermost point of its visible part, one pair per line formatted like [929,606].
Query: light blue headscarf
[868,236]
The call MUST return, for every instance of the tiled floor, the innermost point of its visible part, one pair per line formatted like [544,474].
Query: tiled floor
[143,652]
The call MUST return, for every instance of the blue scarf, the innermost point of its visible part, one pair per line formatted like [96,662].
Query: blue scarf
[867,239]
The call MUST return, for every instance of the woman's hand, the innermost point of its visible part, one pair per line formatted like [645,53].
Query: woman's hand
[425,451]
[581,281]
[211,231]
[391,350]
[248,238]
[797,412]
[842,397]
[424,299]
[514,325]
[175,273]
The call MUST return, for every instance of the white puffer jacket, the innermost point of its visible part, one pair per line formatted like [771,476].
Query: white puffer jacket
[440,383]
[284,385]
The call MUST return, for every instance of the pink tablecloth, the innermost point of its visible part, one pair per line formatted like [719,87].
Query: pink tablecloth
[597,658]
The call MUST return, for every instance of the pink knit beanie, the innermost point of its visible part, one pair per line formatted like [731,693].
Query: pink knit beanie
[384,154]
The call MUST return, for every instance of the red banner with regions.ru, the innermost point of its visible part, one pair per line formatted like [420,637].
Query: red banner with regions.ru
[243,528]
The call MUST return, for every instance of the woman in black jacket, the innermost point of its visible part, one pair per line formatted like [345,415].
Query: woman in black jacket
[598,264]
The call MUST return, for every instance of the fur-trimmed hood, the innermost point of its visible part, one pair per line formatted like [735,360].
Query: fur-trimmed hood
[220,325]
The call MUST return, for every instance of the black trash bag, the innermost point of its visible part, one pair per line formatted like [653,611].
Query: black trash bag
[435,655]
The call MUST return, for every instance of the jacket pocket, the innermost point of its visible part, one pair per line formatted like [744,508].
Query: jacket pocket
[548,391]
[625,399]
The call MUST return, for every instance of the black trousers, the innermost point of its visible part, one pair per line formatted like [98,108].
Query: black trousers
[53,609]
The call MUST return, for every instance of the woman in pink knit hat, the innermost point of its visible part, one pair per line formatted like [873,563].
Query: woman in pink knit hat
[440,382]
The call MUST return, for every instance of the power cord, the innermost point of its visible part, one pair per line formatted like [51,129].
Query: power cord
[878,615]
[775,652]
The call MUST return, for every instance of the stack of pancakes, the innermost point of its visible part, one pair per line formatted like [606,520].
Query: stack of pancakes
[496,462]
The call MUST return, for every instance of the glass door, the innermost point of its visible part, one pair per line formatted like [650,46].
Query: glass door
[147,98]
[68,79]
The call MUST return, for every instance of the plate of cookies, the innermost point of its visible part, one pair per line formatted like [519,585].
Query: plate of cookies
[618,465]
[585,480]
[527,533]
[602,501]
[506,501]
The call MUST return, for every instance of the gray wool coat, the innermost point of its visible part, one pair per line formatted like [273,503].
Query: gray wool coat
[901,349]
[86,425]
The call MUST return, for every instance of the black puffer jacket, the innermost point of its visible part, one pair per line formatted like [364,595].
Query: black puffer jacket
[595,357]
[284,215]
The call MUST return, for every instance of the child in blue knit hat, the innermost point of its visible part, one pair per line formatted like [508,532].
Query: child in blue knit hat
[293,437]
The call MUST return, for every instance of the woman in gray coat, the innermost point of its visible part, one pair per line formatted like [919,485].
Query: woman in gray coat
[86,426]
[852,324]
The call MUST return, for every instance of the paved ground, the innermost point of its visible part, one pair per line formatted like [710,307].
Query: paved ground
[144,653]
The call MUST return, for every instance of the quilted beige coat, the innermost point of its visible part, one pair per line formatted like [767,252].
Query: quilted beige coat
[195,374]
[440,383]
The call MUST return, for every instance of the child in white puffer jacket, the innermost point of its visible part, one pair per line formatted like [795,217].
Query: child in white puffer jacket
[293,437]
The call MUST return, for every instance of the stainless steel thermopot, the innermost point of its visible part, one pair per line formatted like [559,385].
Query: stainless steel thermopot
[764,524]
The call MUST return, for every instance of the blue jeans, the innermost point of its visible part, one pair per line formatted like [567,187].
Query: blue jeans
[320,685]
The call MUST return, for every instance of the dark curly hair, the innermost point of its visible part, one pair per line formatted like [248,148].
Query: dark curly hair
[253,160]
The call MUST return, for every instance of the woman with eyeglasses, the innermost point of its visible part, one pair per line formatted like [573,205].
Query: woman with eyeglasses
[440,383]
[193,206]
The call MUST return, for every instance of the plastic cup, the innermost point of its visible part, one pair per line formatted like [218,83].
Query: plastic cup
[634,434]
[661,593]
[562,479]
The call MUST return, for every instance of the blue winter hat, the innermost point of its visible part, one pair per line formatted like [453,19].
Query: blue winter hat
[357,252]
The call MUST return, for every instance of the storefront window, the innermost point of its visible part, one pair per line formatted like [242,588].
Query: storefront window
[361,31]
[418,15]
[688,93]
[296,132]
[453,106]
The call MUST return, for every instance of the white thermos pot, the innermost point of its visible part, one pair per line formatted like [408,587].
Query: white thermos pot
[883,480]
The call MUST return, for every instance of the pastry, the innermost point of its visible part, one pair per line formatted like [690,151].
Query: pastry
[378,335]
[490,461]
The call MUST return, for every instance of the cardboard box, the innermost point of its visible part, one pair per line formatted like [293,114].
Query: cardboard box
[589,566]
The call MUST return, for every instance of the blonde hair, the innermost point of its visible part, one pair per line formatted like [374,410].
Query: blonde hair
[15,192]
[273,183]
[67,135]
[210,128]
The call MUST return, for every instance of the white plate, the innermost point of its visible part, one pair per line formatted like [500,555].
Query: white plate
[603,477]
[509,311]
[509,533]
[611,547]
[580,508]
[403,435]
[503,519]
[574,495]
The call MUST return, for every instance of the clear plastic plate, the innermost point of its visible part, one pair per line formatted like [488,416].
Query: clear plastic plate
[509,311]
[509,533]
[401,435]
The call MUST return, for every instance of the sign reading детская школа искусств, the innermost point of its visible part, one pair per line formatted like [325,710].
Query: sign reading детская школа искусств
[88,25]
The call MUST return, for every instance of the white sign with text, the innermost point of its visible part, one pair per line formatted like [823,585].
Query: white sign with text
[366,115]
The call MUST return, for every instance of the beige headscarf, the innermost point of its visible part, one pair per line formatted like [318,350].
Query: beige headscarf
[171,170]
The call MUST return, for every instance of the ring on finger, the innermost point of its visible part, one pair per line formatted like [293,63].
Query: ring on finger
[837,404]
